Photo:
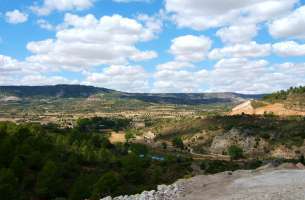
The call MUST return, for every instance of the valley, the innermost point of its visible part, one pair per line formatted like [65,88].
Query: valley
[98,141]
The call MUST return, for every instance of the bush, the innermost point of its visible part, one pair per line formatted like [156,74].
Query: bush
[107,185]
[216,166]
[178,142]
[235,152]
[8,184]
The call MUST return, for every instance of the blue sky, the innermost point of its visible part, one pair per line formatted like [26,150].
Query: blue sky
[253,46]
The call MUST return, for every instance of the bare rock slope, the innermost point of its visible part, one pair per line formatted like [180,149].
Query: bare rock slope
[286,182]
[274,108]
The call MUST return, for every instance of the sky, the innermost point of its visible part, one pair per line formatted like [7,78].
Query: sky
[245,46]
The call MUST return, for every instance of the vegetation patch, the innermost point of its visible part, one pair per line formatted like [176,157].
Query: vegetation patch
[46,162]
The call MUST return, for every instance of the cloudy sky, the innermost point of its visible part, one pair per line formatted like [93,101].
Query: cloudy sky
[248,46]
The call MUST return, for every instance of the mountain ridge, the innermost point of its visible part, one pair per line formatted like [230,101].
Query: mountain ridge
[83,91]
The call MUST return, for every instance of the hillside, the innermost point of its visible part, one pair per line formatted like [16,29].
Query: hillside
[80,91]
[59,91]
[285,182]
[280,109]
[284,103]
[292,98]
[259,137]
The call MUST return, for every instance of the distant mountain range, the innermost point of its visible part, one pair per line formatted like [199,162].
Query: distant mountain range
[81,91]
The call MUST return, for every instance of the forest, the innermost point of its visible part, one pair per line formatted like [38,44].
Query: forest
[47,162]
[283,94]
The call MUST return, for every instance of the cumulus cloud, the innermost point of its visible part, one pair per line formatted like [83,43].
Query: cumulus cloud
[175,81]
[120,77]
[87,41]
[258,76]
[237,34]
[16,17]
[152,25]
[190,48]
[61,5]
[230,74]
[42,23]
[290,26]
[289,48]
[144,55]
[178,76]
[251,49]
[45,80]
[8,64]
[174,65]
[14,72]
[204,14]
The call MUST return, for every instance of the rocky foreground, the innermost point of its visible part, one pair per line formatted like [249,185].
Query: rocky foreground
[285,182]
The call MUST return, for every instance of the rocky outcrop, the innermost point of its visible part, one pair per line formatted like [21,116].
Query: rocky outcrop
[250,145]
[285,182]
[163,192]
[9,98]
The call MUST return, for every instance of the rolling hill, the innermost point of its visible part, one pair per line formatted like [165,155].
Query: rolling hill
[81,91]
[284,103]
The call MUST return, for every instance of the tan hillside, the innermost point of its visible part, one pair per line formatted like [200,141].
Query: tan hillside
[245,108]
[266,108]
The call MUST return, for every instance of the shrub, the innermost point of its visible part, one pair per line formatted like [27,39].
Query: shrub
[235,152]
[178,142]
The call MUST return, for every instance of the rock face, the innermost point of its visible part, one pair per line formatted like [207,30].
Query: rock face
[287,182]
[249,144]
[163,192]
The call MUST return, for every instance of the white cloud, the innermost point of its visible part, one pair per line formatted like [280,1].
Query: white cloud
[190,48]
[45,25]
[44,80]
[144,55]
[8,64]
[152,25]
[175,81]
[16,17]
[237,34]
[174,65]
[251,49]
[204,14]
[234,74]
[289,48]
[178,76]
[84,42]
[120,77]
[290,26]
[14,72]
[246,76]
[61,5]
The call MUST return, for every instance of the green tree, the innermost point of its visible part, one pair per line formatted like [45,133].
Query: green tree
[82,188]
[49,181]
[133,168]
[130,135]
[8,185]
[17,166]
[139,149]
[106,185]
[235,152]
[178,142]
[7,151]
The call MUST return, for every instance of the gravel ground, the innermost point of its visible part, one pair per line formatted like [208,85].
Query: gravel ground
[264,184]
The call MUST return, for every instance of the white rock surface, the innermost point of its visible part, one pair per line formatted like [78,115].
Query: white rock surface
[269,184]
